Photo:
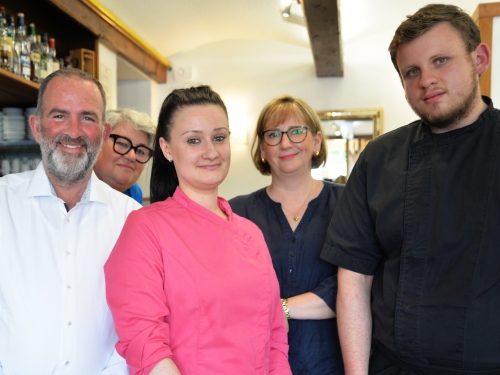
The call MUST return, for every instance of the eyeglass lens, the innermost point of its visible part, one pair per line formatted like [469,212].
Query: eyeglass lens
[122,146]
[294,134]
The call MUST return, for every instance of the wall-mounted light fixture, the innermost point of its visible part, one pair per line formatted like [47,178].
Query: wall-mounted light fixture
[286,5]
[291,11]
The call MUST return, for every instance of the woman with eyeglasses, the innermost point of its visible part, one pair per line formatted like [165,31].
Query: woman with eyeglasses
[293,212]
[191,286]
[127,150]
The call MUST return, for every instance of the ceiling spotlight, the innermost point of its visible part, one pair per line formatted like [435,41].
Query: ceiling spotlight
[291,11]
[286,11]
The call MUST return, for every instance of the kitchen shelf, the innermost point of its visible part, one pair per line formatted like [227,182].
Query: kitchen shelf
[16,91]
[16,145]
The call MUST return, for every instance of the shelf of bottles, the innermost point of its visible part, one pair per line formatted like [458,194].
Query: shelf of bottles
[26,58]
[26,54]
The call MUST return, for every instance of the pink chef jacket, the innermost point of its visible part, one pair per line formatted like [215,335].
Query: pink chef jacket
[185,284]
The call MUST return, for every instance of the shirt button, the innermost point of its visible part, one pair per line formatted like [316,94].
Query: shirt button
[291,270]
[67,363]
[69,286]
[292,254]
[67,220]
[407,309]
[68,253]
[69,323]
[293,239]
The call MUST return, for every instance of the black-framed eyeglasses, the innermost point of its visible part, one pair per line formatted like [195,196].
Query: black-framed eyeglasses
[122,145]
[296,134]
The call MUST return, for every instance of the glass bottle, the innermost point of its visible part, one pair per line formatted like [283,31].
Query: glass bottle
[52,53]
[22,47]
[67,62]
[45,59]
[3,18]
[11,33]
[5,43]
[34,55]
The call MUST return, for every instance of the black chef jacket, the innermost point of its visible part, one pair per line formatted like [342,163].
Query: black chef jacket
[421,212]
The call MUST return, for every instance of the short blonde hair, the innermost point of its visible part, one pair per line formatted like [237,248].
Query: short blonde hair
[278,110]
[139,120]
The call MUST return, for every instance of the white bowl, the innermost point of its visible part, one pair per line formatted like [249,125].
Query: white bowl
[12,111]
[14,118]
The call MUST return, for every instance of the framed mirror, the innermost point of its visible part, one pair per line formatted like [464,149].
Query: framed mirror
[347,133]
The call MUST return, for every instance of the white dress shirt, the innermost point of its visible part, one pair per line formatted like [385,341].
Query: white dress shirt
[54,318]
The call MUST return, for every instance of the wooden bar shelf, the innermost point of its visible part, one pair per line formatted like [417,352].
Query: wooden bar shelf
[16,91]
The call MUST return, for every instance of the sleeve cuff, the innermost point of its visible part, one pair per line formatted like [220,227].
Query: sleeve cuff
[349,262]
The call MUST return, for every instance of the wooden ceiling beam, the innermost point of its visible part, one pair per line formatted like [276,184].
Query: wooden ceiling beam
[323,25]
[113,36]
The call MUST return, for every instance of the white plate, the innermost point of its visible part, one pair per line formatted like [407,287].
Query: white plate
[12,111]
[11,117]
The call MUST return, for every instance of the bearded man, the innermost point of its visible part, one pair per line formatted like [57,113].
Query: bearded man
[416,233]
[58,225]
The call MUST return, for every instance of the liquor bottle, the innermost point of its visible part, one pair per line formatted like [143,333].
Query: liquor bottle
[22,47]
[3,17]
[34,55]
[67,62]
[45,59]
[52,53]
[5,43]
[11,34]
[11,28]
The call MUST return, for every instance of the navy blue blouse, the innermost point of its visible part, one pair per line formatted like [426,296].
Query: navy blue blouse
[314,344]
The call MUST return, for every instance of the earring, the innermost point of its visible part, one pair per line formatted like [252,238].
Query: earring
[169,159]
[263,160]
[316,154]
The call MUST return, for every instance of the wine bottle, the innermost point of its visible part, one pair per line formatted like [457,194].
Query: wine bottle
[52,53]
[11,34]
[22,47]
[45,59]
[5,43]
[34,54]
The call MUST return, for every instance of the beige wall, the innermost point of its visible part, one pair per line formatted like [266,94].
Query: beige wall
[248,74]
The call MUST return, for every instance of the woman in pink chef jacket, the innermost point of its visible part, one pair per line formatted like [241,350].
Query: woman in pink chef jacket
[190,284]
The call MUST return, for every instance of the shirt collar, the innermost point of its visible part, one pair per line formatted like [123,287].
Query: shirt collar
[40,186]
[183,199]
[453,134]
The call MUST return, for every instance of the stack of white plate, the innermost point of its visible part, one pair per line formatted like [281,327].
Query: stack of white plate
[28,112]
[14,127]
[12,111]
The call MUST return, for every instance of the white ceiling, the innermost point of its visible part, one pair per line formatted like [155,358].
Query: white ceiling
[176,26]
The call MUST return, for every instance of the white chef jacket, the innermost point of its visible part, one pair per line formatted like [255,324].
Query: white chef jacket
[54,318]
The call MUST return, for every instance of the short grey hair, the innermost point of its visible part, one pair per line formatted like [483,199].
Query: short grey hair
[139,120]
[67,73]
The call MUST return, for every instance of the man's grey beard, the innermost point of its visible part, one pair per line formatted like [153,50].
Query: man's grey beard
[68,167]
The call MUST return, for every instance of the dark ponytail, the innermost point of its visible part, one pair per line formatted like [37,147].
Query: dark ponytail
[164,179]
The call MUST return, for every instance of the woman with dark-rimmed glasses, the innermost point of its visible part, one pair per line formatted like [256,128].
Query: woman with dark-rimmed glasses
[127,150]
[293,212]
